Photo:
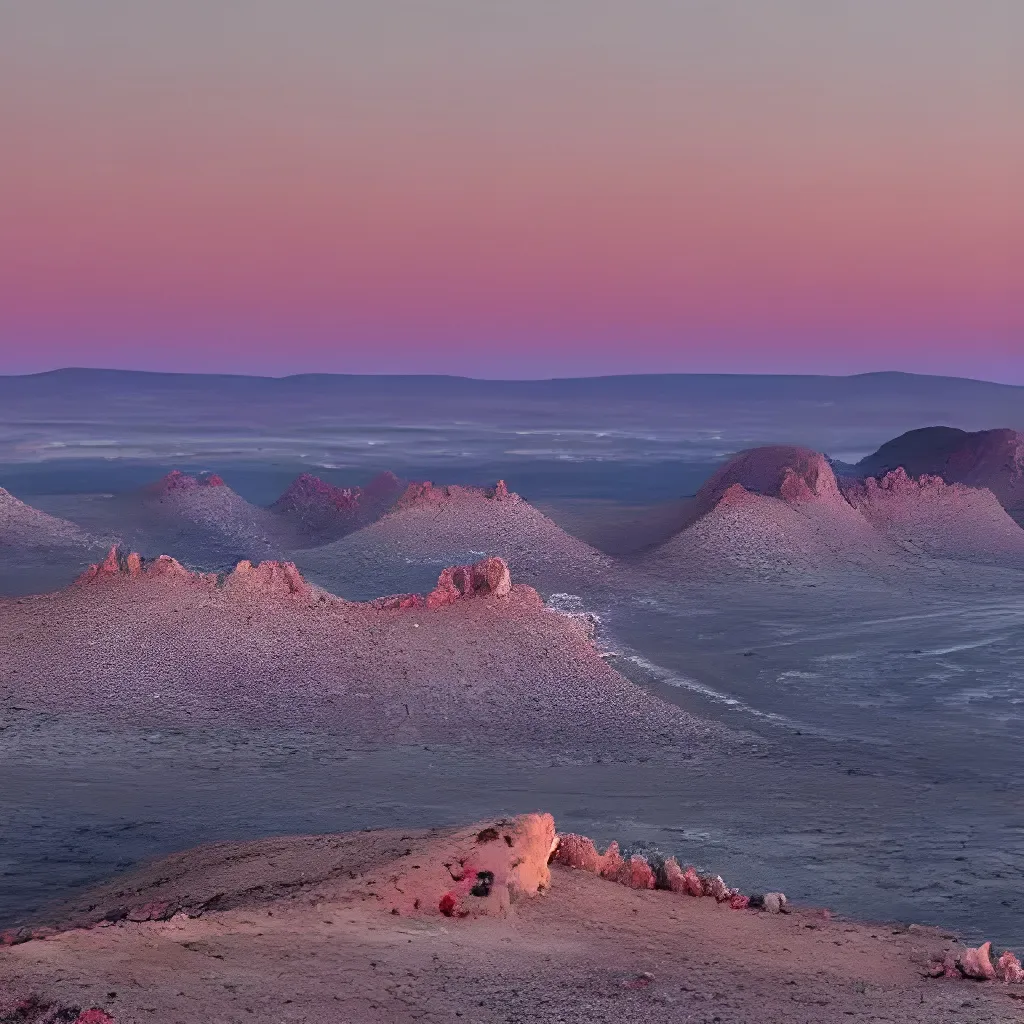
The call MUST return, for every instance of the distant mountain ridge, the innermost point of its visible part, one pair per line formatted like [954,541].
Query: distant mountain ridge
[702,386]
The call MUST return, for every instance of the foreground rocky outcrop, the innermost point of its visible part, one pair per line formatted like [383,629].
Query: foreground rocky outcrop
[499,920]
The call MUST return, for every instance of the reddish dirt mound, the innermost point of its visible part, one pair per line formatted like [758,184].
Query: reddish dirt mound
[790,474]
[984,458]
[149,642]
[471,923]
[325,512]
[928,515]
[426,493]
[436,526]
[770,512]
[176,481]
[198,519]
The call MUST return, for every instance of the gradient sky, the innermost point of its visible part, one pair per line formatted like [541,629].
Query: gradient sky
[518,188]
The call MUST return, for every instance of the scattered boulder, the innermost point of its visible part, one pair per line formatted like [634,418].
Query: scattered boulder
[1008,969]
[715,887]
[578,852]
[977,963]
[37,1010]
[160,911]
[398,602]
[770,903]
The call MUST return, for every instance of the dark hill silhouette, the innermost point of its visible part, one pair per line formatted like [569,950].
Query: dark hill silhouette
[983,458]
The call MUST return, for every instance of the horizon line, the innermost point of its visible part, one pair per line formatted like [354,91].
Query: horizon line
[500,380]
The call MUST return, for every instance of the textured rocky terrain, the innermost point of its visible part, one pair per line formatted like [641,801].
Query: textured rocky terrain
[985,458]
[927,515]
[432,526]
[471,923]
[39,551]
[772,512]
[322,512]
[477,660]
[863,629]
[778,512]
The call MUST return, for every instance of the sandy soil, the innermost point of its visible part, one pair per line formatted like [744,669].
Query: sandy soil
[315,929]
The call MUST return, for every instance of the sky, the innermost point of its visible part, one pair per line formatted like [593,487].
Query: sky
[525,188]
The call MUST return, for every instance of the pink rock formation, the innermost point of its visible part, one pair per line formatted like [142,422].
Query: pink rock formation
[307,491]
[489,577]
[176,480]
[383,488]
[578,852]
[792,474]
[636,873]
[926,514]
[131,565]
[611,863]
[692,884]
[424,492]
[715,887]
[330,512]
[993,459]
[1008,969]
[93,1017]
[498,864]
[267,579]
[977,963]
[771,512]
